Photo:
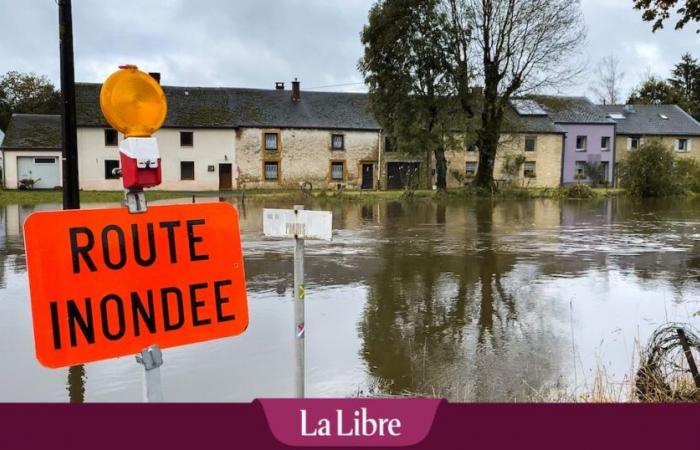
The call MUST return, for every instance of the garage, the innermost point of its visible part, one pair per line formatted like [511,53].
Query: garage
[401,174]
[43,171]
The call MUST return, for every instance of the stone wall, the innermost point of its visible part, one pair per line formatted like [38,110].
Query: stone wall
[305,155]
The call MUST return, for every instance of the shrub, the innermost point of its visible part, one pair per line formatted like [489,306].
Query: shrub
[578,190]
[688,174]
[650,171]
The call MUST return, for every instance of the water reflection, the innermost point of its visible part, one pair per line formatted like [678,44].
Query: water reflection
[475,301]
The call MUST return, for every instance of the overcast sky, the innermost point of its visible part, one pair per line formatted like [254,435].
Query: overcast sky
[253,43]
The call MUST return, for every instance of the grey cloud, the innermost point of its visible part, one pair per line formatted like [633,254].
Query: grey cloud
[252,43]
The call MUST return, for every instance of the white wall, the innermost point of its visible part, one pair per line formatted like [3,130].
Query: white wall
[210,147]
[10,164]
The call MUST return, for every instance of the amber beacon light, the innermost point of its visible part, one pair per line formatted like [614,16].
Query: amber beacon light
[135,104]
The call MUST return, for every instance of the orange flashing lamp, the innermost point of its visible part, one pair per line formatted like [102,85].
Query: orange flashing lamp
[133,102]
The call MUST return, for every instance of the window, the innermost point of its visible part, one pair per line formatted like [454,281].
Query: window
[605,143]
[187,170]
[111,138]
[110,165]
[44,160]
[186,138]
[529,169]
[581,143]
[271,170]
[337,170]
[580,171]
[470,169]
[389,144]
[634,143]
[682,145]
[271,141]
[530,143]
[337,142]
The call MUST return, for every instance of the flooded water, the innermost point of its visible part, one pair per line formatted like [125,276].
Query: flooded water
[471,300]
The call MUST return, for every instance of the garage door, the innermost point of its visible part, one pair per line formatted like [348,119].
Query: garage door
[42,169]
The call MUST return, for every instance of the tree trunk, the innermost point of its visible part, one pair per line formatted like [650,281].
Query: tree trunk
[440,168]
[490,132]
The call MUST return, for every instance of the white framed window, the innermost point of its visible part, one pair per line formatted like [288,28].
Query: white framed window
[580,170]
[683,145]
[633,143]
[581,143]
[605,143]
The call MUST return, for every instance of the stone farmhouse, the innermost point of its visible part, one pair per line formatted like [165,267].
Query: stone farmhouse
[232,138]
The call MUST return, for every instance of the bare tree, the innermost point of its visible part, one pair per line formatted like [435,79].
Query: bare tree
[520,46]
[607,85]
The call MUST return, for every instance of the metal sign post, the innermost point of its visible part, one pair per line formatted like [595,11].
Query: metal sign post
[151,358]
[299,312]
[300,225]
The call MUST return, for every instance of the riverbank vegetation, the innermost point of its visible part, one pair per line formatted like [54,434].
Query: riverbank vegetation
[654,170]
[578,191]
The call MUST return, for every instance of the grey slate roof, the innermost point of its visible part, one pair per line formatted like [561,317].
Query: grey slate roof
[515,123]
[646,120]
[34,131]
[198,107]
[572,110]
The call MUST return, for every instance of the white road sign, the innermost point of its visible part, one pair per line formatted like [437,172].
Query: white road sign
[303,224]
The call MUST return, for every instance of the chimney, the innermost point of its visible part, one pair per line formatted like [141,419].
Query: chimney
[296,93]
[155,76]
[279,86]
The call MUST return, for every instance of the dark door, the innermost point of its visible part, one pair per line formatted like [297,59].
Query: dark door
[402,174]
[367,176]
[225,177]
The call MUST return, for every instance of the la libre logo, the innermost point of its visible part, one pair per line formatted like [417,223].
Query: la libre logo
[356,424]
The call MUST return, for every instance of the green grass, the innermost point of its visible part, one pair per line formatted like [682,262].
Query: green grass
[41,196]
[33,197]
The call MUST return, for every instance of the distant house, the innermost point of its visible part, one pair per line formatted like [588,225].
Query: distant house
[31,151]
[529,132]
[590,138]
[668,123]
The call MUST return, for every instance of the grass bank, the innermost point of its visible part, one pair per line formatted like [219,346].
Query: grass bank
[32,197]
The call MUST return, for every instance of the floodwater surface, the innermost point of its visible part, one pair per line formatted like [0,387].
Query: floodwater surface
[473,300]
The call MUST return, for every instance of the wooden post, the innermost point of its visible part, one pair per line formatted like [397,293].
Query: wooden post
[689,356]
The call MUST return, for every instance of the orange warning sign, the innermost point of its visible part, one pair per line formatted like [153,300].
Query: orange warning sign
[107,283]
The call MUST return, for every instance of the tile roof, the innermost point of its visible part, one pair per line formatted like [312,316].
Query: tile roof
[34,131]
[647,120]
[572,110]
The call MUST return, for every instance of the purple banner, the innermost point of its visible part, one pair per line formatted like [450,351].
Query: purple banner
[244,426]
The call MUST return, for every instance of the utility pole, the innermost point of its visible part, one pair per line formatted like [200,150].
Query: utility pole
[71,190]
[69,132]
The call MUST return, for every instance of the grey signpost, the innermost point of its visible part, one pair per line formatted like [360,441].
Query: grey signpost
[151,358]
[299,224]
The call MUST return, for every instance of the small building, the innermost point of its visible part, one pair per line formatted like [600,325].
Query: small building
[31,152]
[589,144]
[667,123]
